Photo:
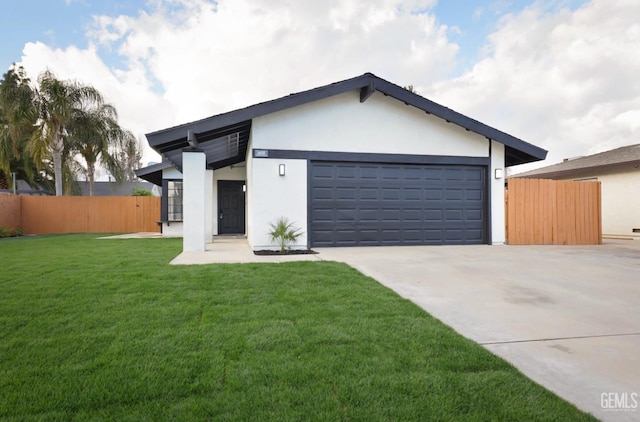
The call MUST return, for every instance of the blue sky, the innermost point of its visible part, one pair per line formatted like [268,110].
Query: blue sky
[61,23]
[57,23]
[557,73]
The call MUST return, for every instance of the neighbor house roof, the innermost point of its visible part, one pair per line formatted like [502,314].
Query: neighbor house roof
[224,137]
[114,188]
[615,159]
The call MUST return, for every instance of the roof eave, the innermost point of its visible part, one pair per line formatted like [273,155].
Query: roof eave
[518,151]
[153,173]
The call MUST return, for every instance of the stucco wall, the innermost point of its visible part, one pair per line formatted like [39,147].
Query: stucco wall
[172,229]
[498,235]
[209,205]
[272,196]
[379,125]
[194,197]
[620,202]
[249,194]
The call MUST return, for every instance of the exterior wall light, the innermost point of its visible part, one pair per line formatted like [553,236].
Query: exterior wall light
[281,170]
[499,173]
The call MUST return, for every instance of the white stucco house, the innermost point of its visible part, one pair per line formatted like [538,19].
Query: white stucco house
[618,172]
[358,162]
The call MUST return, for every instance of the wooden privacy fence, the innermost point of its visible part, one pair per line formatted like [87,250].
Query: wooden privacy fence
[9,211]
[89,214]
[553,212]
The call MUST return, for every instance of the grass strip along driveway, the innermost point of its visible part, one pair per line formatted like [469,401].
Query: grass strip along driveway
[105,329]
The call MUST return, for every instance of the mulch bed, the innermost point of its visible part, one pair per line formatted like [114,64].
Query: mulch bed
[290,252]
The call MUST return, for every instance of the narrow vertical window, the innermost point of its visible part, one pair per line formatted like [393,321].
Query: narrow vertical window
[174,203]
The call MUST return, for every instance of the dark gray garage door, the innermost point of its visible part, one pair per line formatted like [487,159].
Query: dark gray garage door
[360,204]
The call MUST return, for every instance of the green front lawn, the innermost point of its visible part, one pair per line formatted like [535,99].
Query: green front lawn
[107,330]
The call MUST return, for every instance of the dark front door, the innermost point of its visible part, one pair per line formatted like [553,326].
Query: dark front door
[230,207]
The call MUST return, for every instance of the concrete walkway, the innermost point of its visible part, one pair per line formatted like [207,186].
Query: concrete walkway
[567,316]
[233,250]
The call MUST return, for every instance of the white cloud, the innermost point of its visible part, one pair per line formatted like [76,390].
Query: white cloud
[212,57]
[567,81]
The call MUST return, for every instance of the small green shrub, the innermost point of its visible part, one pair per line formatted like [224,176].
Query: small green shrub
[5,232]
[284,233]
[141,192]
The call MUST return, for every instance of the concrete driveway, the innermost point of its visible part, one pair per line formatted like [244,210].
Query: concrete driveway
[567,316]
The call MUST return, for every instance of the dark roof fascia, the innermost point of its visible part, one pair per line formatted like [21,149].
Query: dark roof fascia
[153,173]
[524,151]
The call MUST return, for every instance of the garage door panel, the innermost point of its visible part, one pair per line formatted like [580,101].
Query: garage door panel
[433,235]
[433,215]
[412,173]
[456,174]
[454,215]
[453,235]
[473,194]
[346,172]
[366,193]
[323,171]
[474,235]
[348,215]
[476,174]
[390,194]
[412,215]
[433,173]
[348,194]
[323,193]
[368,172]
[396,204]
[413,235]
[390,173]
[473,215]
[453,194]
[433,194]
[369,215]
[412,194]
[322,215]
[391,215]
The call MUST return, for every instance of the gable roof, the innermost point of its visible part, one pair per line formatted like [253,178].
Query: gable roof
[619,158]
[224,137]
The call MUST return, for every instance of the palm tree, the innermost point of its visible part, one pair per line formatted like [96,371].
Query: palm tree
[97,137]
[17,123]
[59,103]
[130,156]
